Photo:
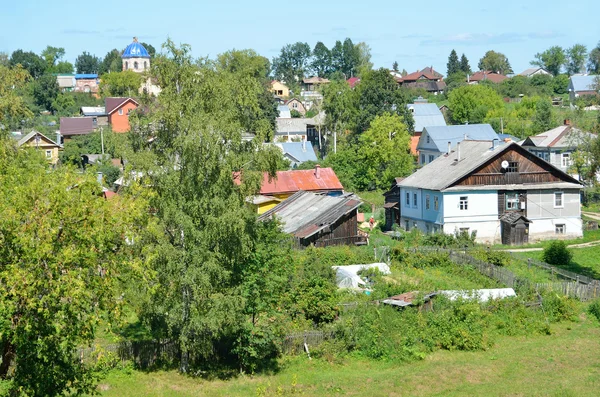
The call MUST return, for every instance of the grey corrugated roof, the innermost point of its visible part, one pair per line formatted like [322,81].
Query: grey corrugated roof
[530,71]
[583,83]
[564,136]
[304,213]
[426,115]
[441,135]
[291,126]
[444,171]
[93,110]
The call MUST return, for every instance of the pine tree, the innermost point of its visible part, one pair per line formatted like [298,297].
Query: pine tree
[395,66]
[464,64]
[453,63]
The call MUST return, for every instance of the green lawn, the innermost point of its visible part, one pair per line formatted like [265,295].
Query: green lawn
[586,261]
[562,364]
[588,235]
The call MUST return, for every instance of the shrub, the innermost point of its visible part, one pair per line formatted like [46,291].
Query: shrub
[497,258]
[594,308]
[559,307]
[557,253]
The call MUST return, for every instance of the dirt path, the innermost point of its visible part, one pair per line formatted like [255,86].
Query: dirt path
[593,215]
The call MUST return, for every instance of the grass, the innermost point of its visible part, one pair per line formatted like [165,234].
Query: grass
[585,260]
[562,364]
[588,236]
[372,197]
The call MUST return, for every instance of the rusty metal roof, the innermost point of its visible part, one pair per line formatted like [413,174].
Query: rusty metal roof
[293,181]
[305,214]
[407,298]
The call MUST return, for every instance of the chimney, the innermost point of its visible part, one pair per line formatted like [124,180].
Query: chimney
[449,147]
[458,151]
[494,143]
[58,138]
[99,178]
[317,171]
[567,122]
[304,145]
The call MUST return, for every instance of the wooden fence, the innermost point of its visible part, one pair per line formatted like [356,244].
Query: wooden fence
[144,354]
[294,343]
[576,277]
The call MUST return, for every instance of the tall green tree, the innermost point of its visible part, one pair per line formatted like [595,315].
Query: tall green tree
[472,103]
[30,61]
[576,56]
[395,66]
[496,62]
[53,57]
[111,62]
[364,58]
[453,65]
[150,48]
[45,91]
[321,60]
[87,63]
[552,59]
[62,258]
[125,83]
[543,116]
[464,64]
[593,64]
[13,107]
[293,63]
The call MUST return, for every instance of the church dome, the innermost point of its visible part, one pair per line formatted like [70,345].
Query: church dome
[135,50]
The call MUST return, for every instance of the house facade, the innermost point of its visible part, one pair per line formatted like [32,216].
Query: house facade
[38,141]
[118,110]
[557,145]
[295,104]
[499,192]
[427,79]
[279,89]
[437,140]
[87,83]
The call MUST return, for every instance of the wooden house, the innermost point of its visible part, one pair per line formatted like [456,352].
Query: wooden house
[39,142]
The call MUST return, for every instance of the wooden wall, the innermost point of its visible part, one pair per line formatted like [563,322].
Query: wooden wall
[344,231]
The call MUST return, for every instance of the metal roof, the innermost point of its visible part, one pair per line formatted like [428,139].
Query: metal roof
[135,50]
[86,76]
[300,151]
[284,112]
[113,103]
[583,83]
[426,115]
[564,136]
[293,181]
[76,125]
[305,214]
[291,126]
[23,139]
[93,110]
[441,135]
[531,71]
[445,170]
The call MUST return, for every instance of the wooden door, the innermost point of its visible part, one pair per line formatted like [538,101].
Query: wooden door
[520,234]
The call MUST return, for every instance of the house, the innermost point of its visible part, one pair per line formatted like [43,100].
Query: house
[353,81]
[391,206]
[427,79]
[425,115]
[295,104]
[71,126]
[488,75]
[97,113]
[317,219]
[279,89]
[286,183]
[435,140]
[40,142]
[534,71]
[135,57]
[557,145]
[118,110]
[313,83]
[66,82]
[87,83]
[297,152]
[499,192]
[292,129]
[583,85]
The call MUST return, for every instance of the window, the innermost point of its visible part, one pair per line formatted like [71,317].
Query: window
[436,203]
[95,121]
[512,201]
[463,203]
[48,154]
[431,158]
[566,160]
[422,159]
[428,140]
[295,105]
[415,200]
[427,204]
[135,65]
[463,230]
[126,65]
[406,226]
[407,199]
[558,200]
[121,112]
[560,228]
[513,166]
[145,65]
[543,155]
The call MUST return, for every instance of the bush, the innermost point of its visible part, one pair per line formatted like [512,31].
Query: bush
[594,308]
[498,258]
[557,253]
[559,307]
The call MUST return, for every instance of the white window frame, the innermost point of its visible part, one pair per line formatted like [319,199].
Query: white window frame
[463,203]
[512,198]
[562,199]
[422,159]
[48,154]
[565,160]
[560,228]
[431,158]
[121,112]
[428,140]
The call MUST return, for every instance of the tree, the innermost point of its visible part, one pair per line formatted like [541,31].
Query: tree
[351,57]
[576,56]
[552,59]
[395,66]
[53,56]
[207,233]
[125,83]
[87,63]
[453,65]
[364,58]
[13,107]
[594,60]
[63,67]
[111,62]
[4,59]
[45,91]
[543,116]
[464,64]
[150,48]
[471,103]
[321,60]
[292,63]
[495,62]
[33,63]
[63,257]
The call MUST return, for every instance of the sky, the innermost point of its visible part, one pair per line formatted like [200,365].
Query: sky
[416,35]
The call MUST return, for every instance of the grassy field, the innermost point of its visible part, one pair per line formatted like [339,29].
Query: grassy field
[588,236]
[562,364]
[585,261]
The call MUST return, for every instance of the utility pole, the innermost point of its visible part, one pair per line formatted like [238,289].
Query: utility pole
[501,125]
[102,140]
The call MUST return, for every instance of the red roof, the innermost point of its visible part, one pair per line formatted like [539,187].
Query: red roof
[487,75]
[414,141]
[427,73]
[108,194]
[353,81]
[296,180]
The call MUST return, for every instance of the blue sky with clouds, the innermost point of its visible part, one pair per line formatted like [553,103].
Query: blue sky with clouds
[415,34]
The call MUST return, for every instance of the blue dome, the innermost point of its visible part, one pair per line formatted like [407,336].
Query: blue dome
[135,50]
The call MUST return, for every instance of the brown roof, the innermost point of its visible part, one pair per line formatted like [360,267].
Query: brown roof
[428,85]
[112,104]
[76,125]
[487,75]
[428,73]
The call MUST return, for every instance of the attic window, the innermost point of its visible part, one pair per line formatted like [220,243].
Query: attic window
[428,140]
[513,166]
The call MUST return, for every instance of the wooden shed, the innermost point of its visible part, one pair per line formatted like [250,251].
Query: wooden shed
[515,228]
